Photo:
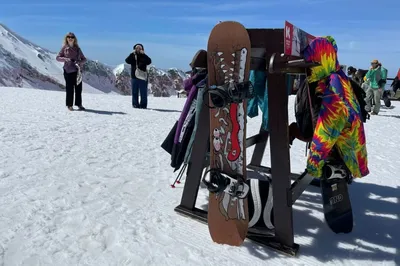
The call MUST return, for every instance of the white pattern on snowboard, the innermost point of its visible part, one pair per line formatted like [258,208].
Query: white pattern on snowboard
[239,163]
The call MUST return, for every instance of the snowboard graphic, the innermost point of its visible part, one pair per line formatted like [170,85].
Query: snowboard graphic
[229,88]
[335,197]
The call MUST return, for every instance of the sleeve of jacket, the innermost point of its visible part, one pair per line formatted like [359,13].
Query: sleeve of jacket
[82,58]
[395,80]
[129,59]
[61,56]
[146,59]
[368,75]
[330,123]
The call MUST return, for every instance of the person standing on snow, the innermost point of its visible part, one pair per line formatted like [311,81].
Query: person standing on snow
[72,57]
[139,76]
[395,85]
[376,78]
[382,86]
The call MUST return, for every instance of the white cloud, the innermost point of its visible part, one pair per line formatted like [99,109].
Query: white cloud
[163,55]
[48,20]
[228,6]
[249,21]
[162,44]
[213,19]
[158,37]
[311,2]
[38,4]
[352,45]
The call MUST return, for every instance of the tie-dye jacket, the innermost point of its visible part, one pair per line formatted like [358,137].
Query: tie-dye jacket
[339,122]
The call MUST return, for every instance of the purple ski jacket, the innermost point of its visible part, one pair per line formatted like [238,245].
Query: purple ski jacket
[74,54]
[190,86]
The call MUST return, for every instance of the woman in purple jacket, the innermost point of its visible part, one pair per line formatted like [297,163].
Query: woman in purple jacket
[72,57]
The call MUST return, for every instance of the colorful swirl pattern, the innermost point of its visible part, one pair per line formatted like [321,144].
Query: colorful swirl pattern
[339,122]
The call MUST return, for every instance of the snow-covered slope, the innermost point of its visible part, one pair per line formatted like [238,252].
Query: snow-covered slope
[92,188]
[25,64]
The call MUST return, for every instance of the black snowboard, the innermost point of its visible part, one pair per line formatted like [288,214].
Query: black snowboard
[335,198]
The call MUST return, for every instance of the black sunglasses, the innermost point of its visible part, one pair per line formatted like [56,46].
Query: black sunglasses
[71,37]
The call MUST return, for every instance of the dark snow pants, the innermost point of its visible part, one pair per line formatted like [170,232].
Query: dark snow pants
[70,87]
[139,86]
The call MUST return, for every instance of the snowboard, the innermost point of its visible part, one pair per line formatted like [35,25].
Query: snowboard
[335,197]
[228,64]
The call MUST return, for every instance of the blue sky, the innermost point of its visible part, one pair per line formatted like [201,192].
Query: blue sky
[172,31]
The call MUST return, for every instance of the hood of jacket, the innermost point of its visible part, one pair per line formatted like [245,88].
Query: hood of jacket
[194,80]
[322,50]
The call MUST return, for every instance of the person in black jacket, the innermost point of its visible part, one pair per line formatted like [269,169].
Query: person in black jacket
[138,59]
[395,85]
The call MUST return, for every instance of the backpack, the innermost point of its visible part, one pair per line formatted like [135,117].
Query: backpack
[360,95]
[307,106]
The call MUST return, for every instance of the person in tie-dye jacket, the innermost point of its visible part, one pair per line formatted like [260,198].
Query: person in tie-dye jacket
[339,127]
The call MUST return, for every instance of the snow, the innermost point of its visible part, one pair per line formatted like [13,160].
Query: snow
[119,69]
[17,51]
[43,60]
[93,188]
[27,65]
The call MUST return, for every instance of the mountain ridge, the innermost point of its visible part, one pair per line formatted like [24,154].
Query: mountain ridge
[26,64]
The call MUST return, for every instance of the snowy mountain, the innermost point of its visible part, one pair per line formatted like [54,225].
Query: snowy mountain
[92,188]
[162,83]
[25,64]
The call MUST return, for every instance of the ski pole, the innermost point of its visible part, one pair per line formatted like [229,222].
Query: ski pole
[179,176]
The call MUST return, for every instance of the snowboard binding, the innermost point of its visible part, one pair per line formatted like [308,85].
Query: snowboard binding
[337,171]
[228,93]
[221,182]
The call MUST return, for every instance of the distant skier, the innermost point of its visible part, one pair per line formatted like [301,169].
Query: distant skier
[356,74]
[395,85]
[139,62]
[72,57]
[376,78]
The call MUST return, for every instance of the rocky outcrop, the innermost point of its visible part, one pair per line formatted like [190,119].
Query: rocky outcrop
[162,83]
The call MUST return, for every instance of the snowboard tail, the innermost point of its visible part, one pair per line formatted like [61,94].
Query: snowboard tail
[228,54]
[335,197]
